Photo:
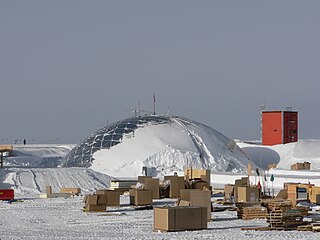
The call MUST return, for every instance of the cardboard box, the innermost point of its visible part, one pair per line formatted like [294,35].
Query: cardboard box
[102,199]
[179,218]
[282,194]
[141,179]
[184,203]
[306,165]
[203,174]
[140,197]
[292,195]
[247,194]
[200,184]
[95,208]
[153,185]
[85,198]
[48,190]
[313,194]
[96,199]
[113,197]
[243,182]
[292,187]
[91,199]
[201,199]
[196,197]
[185,193]
[122,183]
[228,190]
[317,199]
[74,191]
[176,184]
[297,166]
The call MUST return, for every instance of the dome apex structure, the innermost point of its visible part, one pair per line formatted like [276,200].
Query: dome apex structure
[158,144]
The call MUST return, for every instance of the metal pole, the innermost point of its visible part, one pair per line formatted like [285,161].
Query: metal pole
[1,159]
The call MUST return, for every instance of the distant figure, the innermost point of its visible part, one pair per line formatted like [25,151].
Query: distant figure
[175,174]
[24,142]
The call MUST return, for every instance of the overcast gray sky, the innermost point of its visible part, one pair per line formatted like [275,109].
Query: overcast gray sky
[69,67]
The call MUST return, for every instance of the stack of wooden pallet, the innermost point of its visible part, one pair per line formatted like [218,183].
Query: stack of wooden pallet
[242,205]
[284,219]
[276,204]
[254,212]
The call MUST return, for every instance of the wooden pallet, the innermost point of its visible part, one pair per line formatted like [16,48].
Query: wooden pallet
[315,227]
[305,228]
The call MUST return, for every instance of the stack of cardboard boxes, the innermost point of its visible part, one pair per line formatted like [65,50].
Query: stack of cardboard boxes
[198,178]
[95,203]
[196,197]
[247,194]
[150,191]
[153,184]
[241,191]
[98,202]
[301,166]
[173,189]
[113,197]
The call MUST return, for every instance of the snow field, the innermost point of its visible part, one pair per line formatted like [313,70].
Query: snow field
[61,218]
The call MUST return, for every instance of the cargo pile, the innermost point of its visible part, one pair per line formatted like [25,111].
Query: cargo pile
[241,191]
[99,201]
[95,203]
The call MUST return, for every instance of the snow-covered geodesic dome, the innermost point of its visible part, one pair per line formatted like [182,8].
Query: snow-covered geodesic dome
[157,144]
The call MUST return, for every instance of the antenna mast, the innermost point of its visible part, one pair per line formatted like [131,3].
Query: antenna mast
[154,104]
[139,109]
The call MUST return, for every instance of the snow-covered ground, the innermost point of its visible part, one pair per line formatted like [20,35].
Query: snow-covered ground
[35,218]
[64,219]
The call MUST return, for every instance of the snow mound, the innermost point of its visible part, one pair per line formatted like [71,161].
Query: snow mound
[158,144]
[284,155]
